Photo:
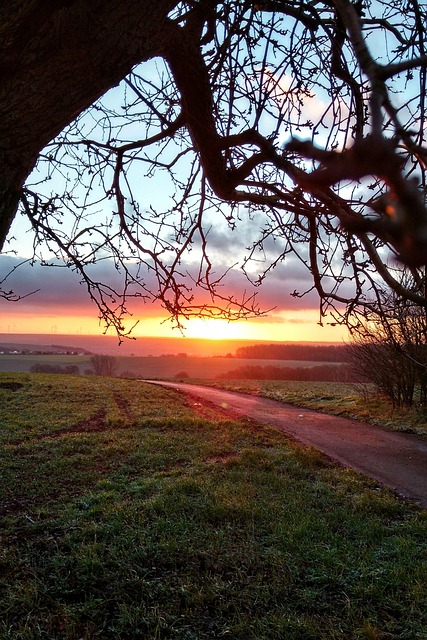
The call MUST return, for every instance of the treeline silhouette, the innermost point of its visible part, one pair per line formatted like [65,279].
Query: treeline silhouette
[321,373]
[305,352]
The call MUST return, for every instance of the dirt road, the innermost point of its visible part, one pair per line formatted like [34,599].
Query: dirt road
[397,460]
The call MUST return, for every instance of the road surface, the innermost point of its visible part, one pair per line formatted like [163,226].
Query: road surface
[396,460]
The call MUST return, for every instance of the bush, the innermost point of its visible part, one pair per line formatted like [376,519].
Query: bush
[39,367]
[321,373]
[182,375]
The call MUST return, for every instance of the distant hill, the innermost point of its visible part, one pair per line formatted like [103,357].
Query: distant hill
[144,346]
[41,349]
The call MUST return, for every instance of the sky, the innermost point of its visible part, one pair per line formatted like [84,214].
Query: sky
[55,302]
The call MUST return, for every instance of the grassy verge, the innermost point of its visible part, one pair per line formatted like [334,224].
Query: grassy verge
[125,515]
[348,400]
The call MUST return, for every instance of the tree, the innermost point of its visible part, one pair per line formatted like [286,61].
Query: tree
[303,121]
[389,348]
[103,365]
[377,360]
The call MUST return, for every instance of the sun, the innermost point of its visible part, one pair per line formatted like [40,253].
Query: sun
[214,329]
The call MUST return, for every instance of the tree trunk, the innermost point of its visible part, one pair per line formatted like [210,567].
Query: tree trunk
[56,58]
[9,199]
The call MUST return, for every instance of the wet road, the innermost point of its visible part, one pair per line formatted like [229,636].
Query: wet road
[397,460]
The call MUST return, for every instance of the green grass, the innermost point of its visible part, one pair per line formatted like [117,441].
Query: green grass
[126,515]
[359,402]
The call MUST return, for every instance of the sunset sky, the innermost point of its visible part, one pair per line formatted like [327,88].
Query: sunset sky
[62,306]
[59,304]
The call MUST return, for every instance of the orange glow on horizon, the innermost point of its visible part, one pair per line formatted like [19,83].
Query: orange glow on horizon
[296,326]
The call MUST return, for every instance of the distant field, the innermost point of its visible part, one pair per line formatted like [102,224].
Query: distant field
[149,367]
[23,363]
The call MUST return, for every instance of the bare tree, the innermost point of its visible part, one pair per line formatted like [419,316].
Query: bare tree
[301,124]
[374,359]
[389,348]
[103,365]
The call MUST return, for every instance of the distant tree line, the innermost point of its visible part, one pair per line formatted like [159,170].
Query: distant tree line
[304,352]
[321,373]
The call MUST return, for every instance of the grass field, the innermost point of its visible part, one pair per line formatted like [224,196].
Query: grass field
[127,515]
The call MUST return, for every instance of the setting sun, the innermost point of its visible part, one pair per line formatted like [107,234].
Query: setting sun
[215,329]
[295,326]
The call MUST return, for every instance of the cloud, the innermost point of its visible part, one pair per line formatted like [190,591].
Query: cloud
[46,288]
[59,291]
